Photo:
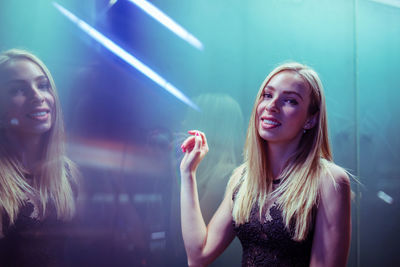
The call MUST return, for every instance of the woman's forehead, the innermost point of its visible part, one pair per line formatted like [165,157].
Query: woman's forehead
[287,81]
[20,70]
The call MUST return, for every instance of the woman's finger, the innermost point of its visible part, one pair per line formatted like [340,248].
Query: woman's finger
[188,143]
[205,141]
[198,141]
[203,136]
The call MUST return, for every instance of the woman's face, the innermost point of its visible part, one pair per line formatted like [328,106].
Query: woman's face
[26,101]
[282,113]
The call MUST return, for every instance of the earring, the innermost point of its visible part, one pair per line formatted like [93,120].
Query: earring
[304,131]
[14,121]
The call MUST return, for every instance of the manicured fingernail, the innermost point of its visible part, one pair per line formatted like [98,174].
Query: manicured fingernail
[197,134]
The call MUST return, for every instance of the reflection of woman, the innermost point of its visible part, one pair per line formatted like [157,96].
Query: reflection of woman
[37,180]
[288,171]
[218,111]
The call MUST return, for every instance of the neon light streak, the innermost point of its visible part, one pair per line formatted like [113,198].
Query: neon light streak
[394,3]
[128,58]
[158,15]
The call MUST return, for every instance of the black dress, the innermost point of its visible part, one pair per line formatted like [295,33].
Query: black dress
[269,243]
[33,242]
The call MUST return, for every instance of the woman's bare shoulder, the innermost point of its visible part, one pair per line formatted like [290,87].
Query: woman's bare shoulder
[334,174]
[335,181]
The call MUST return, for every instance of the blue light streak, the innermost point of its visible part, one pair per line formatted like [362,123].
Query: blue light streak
[128,58]
[169,23]
[394,3]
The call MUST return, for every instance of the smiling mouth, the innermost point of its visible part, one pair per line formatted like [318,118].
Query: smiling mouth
[40,115]
[270,122]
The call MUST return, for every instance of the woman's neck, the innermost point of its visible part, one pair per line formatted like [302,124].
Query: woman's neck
[278,155]
[28,150]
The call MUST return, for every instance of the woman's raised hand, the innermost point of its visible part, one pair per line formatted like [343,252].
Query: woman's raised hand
[202,243]
[195,148]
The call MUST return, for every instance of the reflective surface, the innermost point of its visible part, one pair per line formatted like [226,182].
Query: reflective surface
[124,130]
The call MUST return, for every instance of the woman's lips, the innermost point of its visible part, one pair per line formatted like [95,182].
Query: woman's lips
[39,115]
[269,123]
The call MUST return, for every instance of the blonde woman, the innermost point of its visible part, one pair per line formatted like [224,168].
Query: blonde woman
[288,203]
[37,180]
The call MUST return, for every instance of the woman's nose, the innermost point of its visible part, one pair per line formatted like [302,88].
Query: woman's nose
[37,96]
[272,105]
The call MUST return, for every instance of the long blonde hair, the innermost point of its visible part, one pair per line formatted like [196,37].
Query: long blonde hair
[54,179]
[299,190]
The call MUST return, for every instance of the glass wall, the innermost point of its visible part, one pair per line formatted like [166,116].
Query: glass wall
[124,129]
[378,83]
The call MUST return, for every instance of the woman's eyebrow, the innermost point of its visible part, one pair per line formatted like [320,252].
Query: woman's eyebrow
[41,77]
[269,87]
[38,78]
[293,92]
[15,81]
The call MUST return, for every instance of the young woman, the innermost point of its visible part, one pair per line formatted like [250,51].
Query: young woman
[288,203]
[37,180]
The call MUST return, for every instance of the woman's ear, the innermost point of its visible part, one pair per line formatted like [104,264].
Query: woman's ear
[311,121]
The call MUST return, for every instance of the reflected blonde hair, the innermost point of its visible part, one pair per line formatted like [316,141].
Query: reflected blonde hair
[56,174]
[299,190]
[222,119]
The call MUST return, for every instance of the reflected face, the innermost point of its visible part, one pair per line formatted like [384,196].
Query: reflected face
[26,101]
[282,113]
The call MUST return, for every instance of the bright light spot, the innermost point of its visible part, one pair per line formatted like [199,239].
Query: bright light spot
[128,58]
[385,197]
[158,235]
[169,23]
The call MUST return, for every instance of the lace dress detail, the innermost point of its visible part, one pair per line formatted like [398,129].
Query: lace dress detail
[269,243]
[33,241]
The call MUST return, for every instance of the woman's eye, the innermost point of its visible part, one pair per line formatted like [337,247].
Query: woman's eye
[44,86]
[15,91]
[292,101]
[267,95]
